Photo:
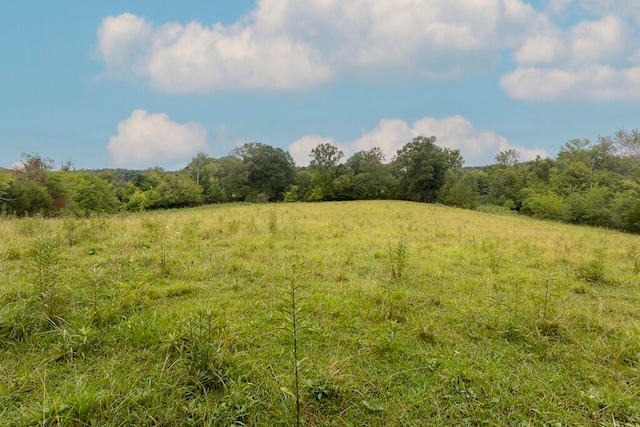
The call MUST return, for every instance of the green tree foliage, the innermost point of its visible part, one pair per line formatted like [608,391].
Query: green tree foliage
[462,189]
[589,183]
[176,190]
[547,206]
[508,158]
[157,189]
[33,167]
[202,170]
[324,170]
[506,187]
[232,176]
[371,176]
[301,187]
[94,194]
[270,171]
[421,167]
[29,198]
[30,191]
[5,183]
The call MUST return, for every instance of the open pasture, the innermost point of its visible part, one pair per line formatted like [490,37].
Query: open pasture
[410,314]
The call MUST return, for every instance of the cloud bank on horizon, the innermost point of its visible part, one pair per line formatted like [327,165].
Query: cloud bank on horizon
[391,134]
[288,45]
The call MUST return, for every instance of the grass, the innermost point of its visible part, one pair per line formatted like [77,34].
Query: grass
[174,318]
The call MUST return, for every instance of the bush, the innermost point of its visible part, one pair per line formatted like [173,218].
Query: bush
[546,206]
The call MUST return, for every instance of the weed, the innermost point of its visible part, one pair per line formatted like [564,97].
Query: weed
[387,343]
[233,226]
[163,260]
[397,259]
[12,253]
[547,286]
[73,343]
[320,389]
[593,271]
[132,347]
[200,351]
[70,228]
[273,221]
[634,256]
[397,256]
[426,334]
[31,226]
[45,263]
[293,325]
[517,289]
[153,230]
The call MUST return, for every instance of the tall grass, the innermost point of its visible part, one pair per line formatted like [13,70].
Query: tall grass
[170,318]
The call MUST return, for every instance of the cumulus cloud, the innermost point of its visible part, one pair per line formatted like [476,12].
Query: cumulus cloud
[630,8]
[194,58]
[292,44]
[300,150]
[557,7]
[122,44]
[146,140]
[592,60]
[478,147]
[297,44]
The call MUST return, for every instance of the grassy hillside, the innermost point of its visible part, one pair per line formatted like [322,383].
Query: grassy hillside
[412,314]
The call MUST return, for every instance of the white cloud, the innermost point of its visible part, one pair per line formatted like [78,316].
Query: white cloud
[478,147]
[593,60]
[292,44]
[557,7]
[597,41]
[300,150]
[630,8]
[146,140]
[596,83]
[297,44]
[122,44]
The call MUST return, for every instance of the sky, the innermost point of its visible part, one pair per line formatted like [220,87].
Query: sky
[147,83]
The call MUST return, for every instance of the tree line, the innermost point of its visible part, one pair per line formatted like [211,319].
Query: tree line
[588,183]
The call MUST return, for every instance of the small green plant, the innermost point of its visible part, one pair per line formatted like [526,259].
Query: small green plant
[70,230]
[293,325]
[45,263]
[154,230]
[201,352]
[547,286]
[387,343]
[73,343]
[517,288]
[634,256]
[397,259]
[233,226]
[273,221]
[163,260]
[30,226]
[593,271]
[12,253]
[397,256]
[320,389]
[427,334]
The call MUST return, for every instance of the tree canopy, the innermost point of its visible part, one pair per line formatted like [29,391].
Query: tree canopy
[593,183]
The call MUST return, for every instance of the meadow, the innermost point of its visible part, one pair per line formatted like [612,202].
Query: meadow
[400,314]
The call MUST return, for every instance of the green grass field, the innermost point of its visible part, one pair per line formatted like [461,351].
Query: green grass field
[412,315]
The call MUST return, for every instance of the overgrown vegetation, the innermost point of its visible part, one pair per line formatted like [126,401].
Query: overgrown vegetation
[496,320]
[588,183]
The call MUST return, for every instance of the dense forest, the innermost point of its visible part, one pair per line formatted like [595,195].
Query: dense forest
[594,183]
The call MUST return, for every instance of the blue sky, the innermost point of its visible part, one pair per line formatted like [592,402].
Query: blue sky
[135,84]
